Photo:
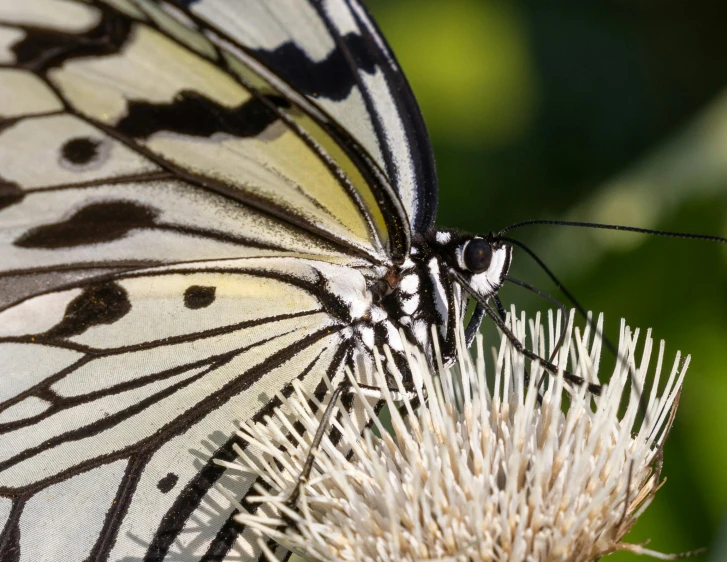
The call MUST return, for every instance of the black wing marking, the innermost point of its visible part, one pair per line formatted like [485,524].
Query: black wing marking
[117,414]
[201,124]
[342,64]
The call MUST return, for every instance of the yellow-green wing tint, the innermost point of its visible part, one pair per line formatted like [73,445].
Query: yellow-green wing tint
[175,102]
[118,393]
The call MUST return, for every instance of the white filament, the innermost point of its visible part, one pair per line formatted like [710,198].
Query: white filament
[483,471]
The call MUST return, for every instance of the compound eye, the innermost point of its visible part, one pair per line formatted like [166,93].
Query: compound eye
[477,255]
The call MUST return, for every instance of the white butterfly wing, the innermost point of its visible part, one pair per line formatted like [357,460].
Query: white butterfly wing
[117,393]
[332,52]
[181,235]
[119,136]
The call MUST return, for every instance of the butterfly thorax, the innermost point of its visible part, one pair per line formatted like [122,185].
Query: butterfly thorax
[424,295]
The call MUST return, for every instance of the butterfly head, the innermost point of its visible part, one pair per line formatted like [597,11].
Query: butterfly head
[479,262]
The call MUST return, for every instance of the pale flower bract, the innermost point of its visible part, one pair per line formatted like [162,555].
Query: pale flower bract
[488,469]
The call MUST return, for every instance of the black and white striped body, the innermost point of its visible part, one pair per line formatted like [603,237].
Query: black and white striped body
[421,293]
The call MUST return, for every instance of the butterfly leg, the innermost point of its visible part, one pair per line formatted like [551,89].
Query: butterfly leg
[498,305]
[503,316]
[317,438]
[366,391]
[517,344]
[473,326]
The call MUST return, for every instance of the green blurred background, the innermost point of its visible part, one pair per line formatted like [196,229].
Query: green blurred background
[605,111]
[611,111]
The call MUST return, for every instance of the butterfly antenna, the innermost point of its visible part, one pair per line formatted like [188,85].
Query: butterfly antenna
[518,345]
[562,288]
[556,302]
[593,388]
[563,328]
[609,345]
[579,224]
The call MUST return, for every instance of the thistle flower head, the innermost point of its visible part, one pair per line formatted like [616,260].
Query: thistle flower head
[492,467]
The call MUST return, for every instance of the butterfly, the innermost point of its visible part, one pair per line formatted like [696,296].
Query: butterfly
[201,201]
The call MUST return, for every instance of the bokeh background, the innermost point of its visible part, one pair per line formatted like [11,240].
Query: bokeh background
[611,111]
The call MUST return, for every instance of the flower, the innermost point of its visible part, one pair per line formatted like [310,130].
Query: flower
[504,467]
